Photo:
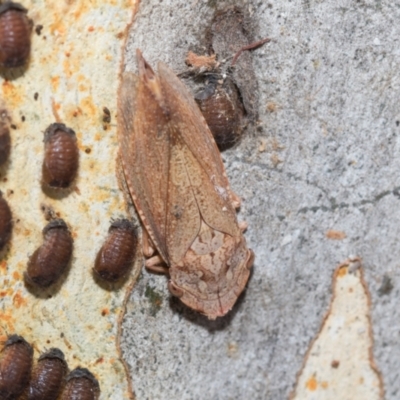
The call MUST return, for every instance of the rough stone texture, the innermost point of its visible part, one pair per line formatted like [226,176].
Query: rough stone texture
[331,162]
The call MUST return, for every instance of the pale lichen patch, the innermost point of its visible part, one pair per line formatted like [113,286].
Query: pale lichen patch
[72,75]
[339,363]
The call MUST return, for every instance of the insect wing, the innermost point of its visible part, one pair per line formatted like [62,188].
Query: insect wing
[203,160]
[143,129]
[183,216]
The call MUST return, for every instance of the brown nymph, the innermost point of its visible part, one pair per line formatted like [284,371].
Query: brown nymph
[5,139]
[48,376]
[15,367]
[50,260]
[222,109]
[61,158]
[5,222]
[229,97]
[118,251]
[82,385]
[15,35]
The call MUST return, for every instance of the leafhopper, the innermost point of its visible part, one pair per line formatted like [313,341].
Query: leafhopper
[173,171]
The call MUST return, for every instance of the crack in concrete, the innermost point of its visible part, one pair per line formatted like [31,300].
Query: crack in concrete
[334,205]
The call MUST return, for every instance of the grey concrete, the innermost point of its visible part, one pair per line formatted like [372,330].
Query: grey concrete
[332,161]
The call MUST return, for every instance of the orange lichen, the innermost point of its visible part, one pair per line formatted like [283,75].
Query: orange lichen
[6,293]
[104,196]
[324,385]
[18,300]
[67,67]
[26,232]
[72,64]
[82,9]
[55,82]
[8,85]
[87,106]
[81,146]
[312,384]
[21,265]
[335,235]
[58,26]
[81,78]
[8,320]
[342,272]
[61,29]
[72,111]
[82,87]
[84,207]
[16,275]
[12,94]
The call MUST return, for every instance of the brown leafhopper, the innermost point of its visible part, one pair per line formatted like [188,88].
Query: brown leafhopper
[174,173]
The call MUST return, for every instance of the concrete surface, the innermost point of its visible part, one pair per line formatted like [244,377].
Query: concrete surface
[324,157]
